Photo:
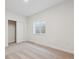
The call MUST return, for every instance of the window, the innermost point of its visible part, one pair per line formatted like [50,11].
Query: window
[39,27]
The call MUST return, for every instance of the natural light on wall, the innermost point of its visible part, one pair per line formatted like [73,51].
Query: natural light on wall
[26,0]
[39,27]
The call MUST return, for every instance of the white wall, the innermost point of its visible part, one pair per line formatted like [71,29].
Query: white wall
[59,27]
[21,27]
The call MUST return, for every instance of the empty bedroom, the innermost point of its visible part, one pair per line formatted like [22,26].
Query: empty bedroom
[39,29]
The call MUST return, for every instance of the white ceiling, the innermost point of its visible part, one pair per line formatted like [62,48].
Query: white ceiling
[31,7]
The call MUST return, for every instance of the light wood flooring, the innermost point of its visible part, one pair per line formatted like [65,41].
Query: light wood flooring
[29,50]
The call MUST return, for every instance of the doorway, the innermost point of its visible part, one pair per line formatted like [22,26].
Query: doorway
[11,32]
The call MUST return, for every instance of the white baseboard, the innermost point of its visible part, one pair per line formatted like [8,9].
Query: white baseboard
[61,49]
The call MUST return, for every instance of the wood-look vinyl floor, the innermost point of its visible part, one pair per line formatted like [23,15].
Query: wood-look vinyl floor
[28,50]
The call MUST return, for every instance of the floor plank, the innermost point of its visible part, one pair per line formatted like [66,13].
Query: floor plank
[29,50]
